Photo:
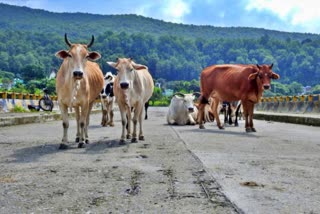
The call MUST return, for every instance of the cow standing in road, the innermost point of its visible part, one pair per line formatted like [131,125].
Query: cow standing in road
[107,100]
[78,84]
[233,83]
[133,87]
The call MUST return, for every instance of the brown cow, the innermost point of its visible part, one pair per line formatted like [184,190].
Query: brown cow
[233,83]
[78,84]
[133,87]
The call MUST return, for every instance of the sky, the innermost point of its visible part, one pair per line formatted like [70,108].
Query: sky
[283,15]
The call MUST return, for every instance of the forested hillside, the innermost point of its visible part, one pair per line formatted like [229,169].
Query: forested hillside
[29,39]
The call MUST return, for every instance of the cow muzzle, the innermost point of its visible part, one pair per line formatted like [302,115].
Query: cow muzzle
[78,74]
[266,87]
[124,85]
[190,110]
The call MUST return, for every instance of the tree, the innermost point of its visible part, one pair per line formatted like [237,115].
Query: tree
[32,72]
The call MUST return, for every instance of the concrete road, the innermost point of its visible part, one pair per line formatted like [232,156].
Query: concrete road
[178,169]
[275,170]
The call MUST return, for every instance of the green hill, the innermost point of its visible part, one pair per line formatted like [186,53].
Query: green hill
[29,38]
[82,25]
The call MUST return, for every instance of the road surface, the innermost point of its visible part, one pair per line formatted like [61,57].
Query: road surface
[177,169]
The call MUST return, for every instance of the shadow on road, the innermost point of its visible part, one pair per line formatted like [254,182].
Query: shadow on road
[34,153]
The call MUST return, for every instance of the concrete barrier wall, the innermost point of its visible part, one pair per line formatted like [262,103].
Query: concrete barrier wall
[290,104]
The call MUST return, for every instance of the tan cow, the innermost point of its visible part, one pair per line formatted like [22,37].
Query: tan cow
[133,87]
[79,82]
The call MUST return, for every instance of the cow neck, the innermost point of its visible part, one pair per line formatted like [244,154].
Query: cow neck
[137,82]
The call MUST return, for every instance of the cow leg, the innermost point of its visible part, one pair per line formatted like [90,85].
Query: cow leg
[129,123]
[111,117]
[141,136]
[65,124]
[251,109]
[216,112]
[138,112]
[237,115]
[77,112]
[104,118]
[87,124]
[135,121]
[107,114]
[82,122]
[201,115]
[246,115]
[230,109]
[123,113]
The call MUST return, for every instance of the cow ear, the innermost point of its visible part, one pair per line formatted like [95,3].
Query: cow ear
[275,76]
[112,64]
[62,54]
[94,56]
[139,67]
[253,76]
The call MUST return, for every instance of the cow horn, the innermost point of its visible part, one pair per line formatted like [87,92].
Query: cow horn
[258,66]
[179,94]
[271,66]
[196,93]
[67,40]
[91,42]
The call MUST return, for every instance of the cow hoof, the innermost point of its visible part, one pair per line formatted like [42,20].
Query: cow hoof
[77,139]
[63,146]
[248,130]
[128,136]
[122,142]
[134,140]
[87,141]
[221,127]
[81,145]
[111,124]
[141,137]
[253,130]
[202,127]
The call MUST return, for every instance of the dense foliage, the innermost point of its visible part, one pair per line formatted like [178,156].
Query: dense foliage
[173,52]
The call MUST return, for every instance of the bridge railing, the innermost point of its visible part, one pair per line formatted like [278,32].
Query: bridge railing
[290,104]
[8,100]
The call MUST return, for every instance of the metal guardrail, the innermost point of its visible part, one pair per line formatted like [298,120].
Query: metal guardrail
[8,100]
[290,104]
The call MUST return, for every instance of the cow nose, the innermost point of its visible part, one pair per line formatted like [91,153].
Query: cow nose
[266,87]
[104,96]
[190,110]
[78,74]
[124,85]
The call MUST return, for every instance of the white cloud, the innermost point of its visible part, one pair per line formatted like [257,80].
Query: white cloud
[297,12]
[175,10]
[168,10]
